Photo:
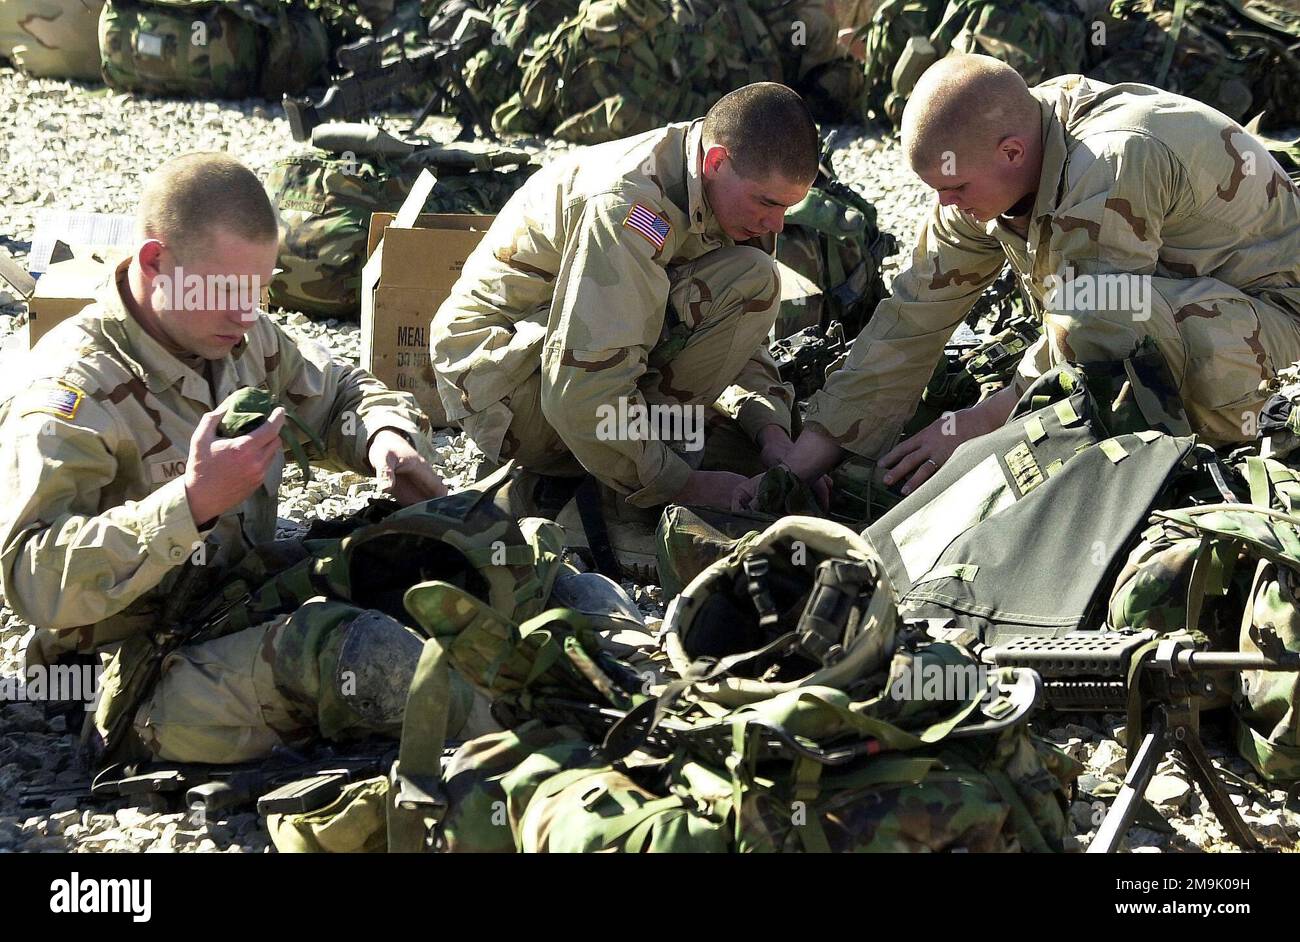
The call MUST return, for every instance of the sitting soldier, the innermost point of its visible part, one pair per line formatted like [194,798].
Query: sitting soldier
[116,476]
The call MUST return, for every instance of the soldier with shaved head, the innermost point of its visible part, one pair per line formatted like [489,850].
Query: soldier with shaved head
[1079,185]
[117,483]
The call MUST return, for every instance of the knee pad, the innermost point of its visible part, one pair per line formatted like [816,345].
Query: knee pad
[376,661]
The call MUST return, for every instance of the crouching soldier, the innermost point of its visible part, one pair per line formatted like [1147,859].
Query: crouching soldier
[1130,215]
[115,476]
[635,279]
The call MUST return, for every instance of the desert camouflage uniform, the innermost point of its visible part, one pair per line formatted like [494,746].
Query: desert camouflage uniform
[1134,180]
[96,525]
[564,284]
[52,38]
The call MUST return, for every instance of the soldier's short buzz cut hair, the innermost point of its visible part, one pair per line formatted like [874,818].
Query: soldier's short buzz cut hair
[189,198]
[767,129]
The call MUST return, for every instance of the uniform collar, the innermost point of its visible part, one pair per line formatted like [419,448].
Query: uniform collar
[156,366]
[1054,155]
[1049,180]
[697,206]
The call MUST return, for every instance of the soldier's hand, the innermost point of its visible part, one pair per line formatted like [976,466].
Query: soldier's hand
[710,489]
[222,473]
[925,452]
[743,498]
[402,473]
[744,495]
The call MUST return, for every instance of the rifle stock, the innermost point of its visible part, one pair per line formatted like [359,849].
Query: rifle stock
[371,84]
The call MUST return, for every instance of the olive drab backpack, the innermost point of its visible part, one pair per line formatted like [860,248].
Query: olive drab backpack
[831,238]
[615,68]
[211,48]
[1238,57]
[723,757]
[493,73]
[1063,463]
[1039,39]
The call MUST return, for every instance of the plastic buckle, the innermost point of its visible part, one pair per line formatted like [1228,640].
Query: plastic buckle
[415,792]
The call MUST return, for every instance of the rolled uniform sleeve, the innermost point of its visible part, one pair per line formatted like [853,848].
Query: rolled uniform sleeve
[64,563]
[608,309]
[874,389]
[344,405]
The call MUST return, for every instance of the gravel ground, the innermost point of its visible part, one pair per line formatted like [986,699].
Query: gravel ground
[74,146]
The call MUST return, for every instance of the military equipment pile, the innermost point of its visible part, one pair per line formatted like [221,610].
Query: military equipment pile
[1063,768]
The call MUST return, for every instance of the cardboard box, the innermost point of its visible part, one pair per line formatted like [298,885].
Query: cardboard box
[63,290]
[410,272]
[66,288]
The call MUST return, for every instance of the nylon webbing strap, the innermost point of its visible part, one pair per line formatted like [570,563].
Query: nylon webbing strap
[1027,830]
[1175,28]
[415,799]
[1196,584]
[592,516]
[1257,478]
[807,787]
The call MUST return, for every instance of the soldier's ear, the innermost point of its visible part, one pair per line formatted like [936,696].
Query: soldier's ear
[715,156]
[149,255]
[1013,150]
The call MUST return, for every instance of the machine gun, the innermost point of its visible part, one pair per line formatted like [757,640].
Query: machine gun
[803,358]
[374,78]
[1158,680]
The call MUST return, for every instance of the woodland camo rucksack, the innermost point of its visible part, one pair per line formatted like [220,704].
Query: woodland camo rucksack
[325,200]
[211,48]
[599,757]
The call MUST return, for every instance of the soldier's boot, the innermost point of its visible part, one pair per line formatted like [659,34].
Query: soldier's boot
[532,494]
[354,666]
[621,626]
[629,530]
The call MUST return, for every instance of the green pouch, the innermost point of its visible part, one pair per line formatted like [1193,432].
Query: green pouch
[601,810]
[247,408]
[352,823]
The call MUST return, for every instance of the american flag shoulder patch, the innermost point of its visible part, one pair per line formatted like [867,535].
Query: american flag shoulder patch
[649,224]
[56,398]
